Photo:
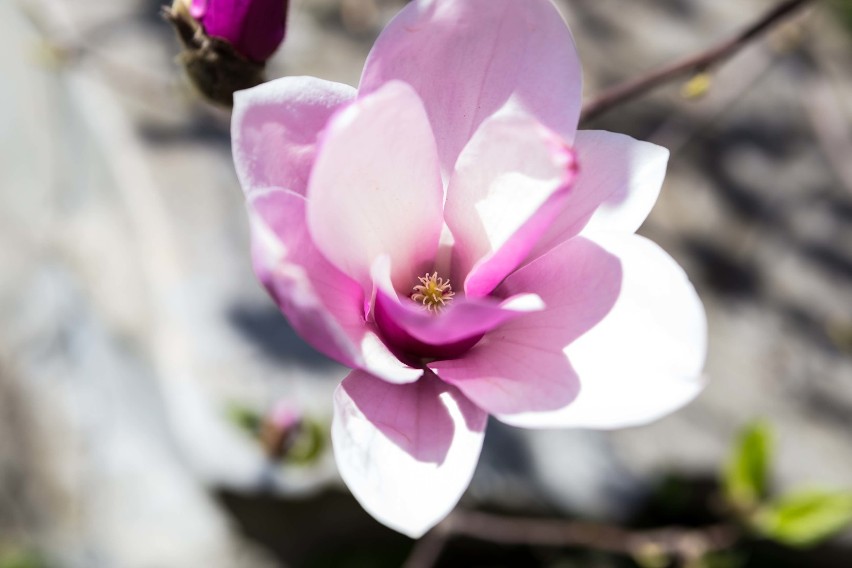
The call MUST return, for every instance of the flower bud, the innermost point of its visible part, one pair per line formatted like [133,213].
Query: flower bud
[227,42]
[281,429]
[255,28]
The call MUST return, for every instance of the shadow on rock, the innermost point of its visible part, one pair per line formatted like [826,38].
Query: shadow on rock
[269,331]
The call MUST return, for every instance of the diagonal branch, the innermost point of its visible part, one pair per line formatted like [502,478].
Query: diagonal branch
[697,63]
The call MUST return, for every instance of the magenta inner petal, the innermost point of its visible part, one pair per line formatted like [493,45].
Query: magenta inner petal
[254,27]
[450,333]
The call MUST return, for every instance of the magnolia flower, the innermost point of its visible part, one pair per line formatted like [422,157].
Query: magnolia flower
[446,232]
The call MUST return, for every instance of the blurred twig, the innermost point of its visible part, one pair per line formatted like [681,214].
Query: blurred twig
[697,63]
[686,545]
[428,549]
[830,125]
[65,44]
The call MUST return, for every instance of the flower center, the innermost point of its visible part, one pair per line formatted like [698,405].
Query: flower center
[433,292]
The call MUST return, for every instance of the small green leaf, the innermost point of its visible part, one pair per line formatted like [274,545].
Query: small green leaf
[745,478]
[245,418]
[806,518]
[18,557]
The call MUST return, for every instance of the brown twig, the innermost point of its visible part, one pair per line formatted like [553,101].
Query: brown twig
[428,549]
[697,63]
[686,545]
[829,123]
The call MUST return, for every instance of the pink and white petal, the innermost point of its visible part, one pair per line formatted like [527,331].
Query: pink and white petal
[462,319]
[378,360]
[513,378]
[376,187]
[274,128]
[618,183]
[645,359]
[636,179]
[519,372]
[638,348]
[407,452]
[414,331]
[323,305]
[510,183]
[468,59]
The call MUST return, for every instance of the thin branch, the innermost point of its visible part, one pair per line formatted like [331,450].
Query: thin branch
[680,543]
[829,123]
[428,549]
[70,45]
[697,63]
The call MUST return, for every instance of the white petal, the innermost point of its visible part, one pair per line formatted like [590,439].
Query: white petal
[616,188]
[632,170]
[407,452]
[644,360]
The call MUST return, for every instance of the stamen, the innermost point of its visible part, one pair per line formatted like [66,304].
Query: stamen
[433,292]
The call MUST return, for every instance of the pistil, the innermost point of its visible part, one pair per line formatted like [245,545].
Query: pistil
[433,292]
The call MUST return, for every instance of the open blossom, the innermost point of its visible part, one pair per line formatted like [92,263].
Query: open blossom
[446,232]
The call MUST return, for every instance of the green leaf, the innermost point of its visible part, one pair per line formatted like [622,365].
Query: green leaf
[805,518]
[18,557]
[245,418]
[745,478]
[843,8]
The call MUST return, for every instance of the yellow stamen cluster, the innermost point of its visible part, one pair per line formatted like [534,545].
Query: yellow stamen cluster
[433,292]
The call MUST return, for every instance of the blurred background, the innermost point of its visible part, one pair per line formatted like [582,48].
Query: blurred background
[139,357]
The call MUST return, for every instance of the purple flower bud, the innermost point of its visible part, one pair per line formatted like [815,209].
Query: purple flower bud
[255,28]
[226,42]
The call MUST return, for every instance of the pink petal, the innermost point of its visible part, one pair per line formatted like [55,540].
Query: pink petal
[323,305]
[632,326]
[416,333]
[510,183]
[407,452]
[419,333]
[467,59]
[274,129]
[510,377]
[376,188]
[618,183]
[519,373]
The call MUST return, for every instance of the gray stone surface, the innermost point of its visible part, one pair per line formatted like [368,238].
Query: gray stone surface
[131,320]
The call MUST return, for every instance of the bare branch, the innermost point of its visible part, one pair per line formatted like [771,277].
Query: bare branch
[697,63]
[683,544]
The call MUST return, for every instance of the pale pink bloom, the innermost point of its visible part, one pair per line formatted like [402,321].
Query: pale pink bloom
[458,160]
